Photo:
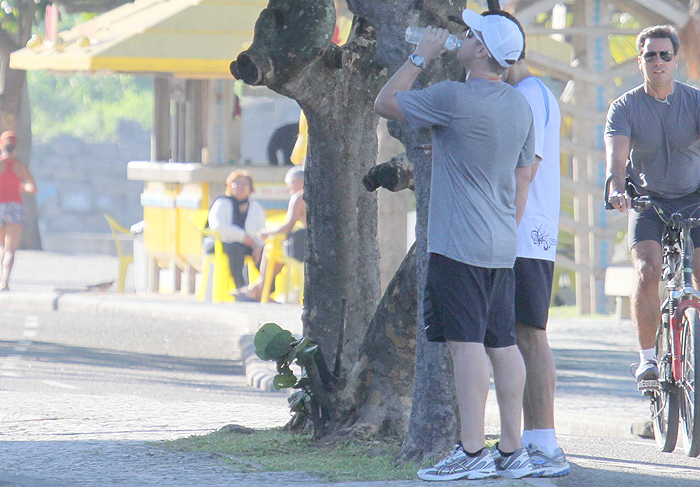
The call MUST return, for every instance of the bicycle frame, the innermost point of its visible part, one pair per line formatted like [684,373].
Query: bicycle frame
[676,329]
[679,290]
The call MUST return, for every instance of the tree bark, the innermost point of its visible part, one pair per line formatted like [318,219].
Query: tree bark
[380,385]
[342,253]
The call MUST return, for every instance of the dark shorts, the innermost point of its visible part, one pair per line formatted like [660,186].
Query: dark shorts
[533,290]
[11,213]
[647,225]
[236,253]
[296,244]
[464,303]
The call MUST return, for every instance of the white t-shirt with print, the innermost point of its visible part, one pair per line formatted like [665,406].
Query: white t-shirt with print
[538,231]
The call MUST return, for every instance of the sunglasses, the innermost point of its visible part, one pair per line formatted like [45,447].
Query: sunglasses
[475,33]
[665,56]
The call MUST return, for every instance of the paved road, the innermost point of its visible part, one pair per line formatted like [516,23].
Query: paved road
[79,394]
[83,388]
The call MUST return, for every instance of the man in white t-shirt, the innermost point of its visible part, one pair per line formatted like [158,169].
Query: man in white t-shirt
[534,271]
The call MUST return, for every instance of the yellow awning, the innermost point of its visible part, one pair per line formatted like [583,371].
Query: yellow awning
[188,38]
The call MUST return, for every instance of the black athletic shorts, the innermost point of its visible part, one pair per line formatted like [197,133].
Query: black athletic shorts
[464,303]
[296,244]
[533,290]
[647,225]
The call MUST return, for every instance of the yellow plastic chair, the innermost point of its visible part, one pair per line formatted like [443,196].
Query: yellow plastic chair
[290,278]
[199,220]
[222,281]
[124,260]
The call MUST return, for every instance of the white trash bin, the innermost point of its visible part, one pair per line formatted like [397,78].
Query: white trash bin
[140,258]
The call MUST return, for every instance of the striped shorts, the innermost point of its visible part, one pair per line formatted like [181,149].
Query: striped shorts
[11,213]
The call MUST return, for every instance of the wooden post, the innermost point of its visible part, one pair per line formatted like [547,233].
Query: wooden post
[160,134]
[193,121]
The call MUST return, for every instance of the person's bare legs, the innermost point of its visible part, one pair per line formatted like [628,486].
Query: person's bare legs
[540,378]
[255,289]
[646,260]
[12,233]
[509,379]
[471,371]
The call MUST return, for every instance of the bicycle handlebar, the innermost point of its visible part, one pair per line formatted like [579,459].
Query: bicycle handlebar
[643,203]
[639,203]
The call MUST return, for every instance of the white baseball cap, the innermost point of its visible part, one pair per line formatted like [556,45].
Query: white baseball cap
[501,36]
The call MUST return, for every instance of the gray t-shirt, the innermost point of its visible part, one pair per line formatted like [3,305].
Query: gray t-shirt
[664,139]
[481,131]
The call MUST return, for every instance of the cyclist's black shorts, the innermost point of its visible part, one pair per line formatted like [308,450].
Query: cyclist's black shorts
[647,225]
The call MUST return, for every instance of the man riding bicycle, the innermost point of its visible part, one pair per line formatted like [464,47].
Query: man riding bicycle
[652,139]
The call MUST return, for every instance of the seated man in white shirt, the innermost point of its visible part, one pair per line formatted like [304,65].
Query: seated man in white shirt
[238,220]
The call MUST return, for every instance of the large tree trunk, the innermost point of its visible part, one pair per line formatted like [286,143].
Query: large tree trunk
[380,386]
[372,358]
[299,61]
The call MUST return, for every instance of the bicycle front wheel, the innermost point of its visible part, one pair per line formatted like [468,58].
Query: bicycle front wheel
[690,396]
[664,402]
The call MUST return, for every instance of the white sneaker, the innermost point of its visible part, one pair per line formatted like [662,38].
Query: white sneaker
[459,465]
[647,370]
[544,465]
[515,465]
[647,376]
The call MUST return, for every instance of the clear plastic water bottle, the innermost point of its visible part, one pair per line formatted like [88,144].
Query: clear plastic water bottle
[415,34]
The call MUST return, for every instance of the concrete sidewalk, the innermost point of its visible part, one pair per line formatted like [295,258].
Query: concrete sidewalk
[596,395]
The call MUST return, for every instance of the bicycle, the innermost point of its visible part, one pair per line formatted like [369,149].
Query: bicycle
[674,395]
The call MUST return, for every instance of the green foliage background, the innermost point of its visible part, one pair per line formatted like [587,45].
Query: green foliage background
[88,106]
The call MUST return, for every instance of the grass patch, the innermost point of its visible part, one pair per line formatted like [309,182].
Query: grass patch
[278,450]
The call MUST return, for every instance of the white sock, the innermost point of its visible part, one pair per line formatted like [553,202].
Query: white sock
[546,440]
[526,439]
[648,354]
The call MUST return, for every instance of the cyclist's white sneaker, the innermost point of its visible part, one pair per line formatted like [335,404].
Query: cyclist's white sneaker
[515,465]
[459,465]
[647,375]
[647,370]
[544,465]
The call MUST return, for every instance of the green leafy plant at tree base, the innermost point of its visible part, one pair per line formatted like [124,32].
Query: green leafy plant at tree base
[279,345]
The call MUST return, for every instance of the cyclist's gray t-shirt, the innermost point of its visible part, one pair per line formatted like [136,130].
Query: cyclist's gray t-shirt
[481,131]
[664,139]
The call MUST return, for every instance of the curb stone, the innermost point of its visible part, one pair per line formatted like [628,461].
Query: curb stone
[259,374]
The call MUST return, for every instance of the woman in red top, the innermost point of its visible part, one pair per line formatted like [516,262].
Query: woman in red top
[14,178]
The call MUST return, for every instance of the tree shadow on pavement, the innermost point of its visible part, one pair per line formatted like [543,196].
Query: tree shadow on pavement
[627,473]
[588,371]
[65,362]
[97,357]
